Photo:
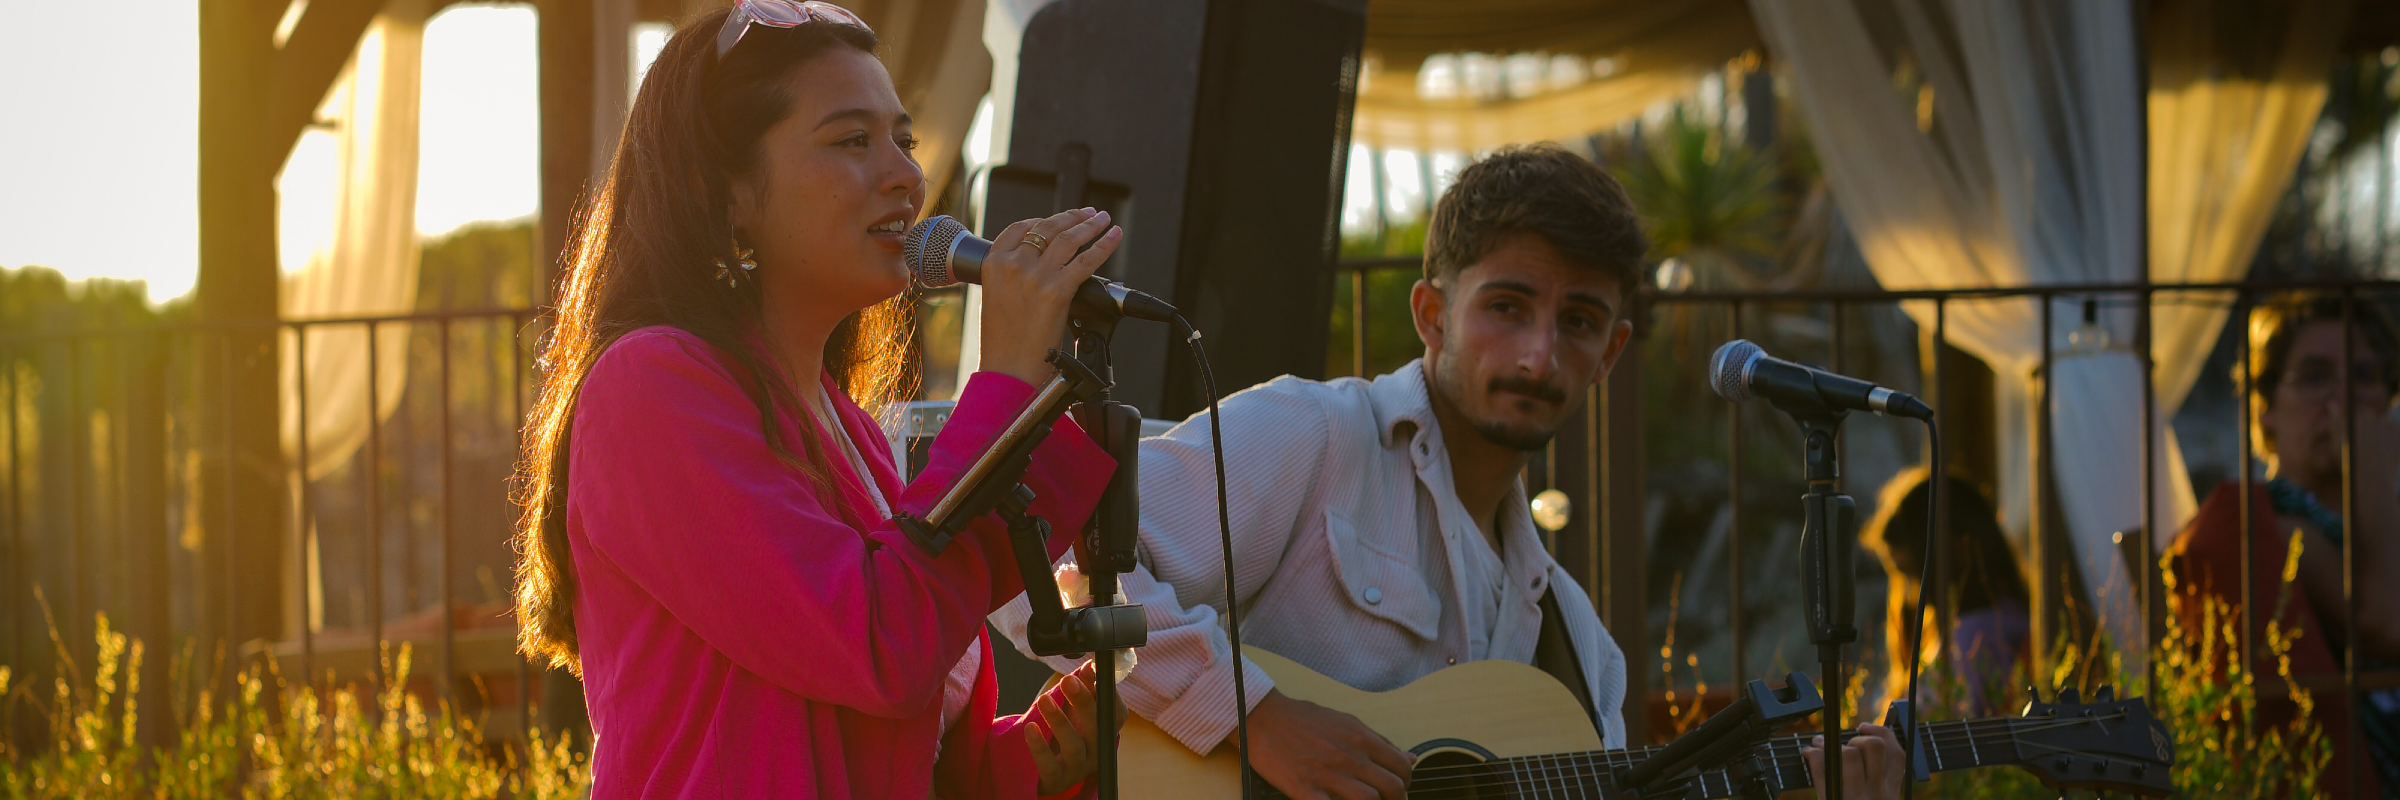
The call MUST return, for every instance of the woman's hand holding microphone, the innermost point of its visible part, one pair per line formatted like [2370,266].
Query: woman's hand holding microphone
[1028,281]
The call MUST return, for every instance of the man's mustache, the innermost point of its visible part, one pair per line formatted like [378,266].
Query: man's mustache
[1530,388]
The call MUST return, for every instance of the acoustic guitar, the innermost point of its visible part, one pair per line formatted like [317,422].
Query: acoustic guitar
[1499,729]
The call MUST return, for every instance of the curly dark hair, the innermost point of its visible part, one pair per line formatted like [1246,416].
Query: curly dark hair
[1545,190]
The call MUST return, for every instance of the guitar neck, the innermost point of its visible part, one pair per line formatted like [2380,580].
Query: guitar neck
[1775,766]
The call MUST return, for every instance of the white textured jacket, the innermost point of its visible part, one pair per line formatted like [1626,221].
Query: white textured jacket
[1354,557]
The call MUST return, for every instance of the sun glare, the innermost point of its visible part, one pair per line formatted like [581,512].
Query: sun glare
[99,175]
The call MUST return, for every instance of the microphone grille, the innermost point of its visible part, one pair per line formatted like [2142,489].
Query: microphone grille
[927,250]
[1729,369]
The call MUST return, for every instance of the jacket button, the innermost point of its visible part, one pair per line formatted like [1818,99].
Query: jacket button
[1373,595]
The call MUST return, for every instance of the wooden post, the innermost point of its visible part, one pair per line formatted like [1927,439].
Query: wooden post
[566,113]
[241,503]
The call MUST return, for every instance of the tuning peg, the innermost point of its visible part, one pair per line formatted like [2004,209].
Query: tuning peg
[2068,696]
[2107,694]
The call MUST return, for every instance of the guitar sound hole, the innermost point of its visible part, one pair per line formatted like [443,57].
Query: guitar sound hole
[1454,775]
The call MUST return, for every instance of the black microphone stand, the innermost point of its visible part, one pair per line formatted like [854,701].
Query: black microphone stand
[991,485]
[1828,534]
[1113,532]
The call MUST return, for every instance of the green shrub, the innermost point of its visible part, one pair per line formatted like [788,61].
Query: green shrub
[274,740]
[2206,697]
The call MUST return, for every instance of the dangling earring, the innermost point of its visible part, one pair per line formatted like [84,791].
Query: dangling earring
[741,258]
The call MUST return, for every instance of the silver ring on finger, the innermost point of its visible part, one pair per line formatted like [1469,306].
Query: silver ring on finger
[1035,241]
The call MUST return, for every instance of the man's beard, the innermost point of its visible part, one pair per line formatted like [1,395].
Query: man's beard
[1523,438]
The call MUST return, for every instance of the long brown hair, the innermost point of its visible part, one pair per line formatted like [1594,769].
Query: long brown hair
[643,253]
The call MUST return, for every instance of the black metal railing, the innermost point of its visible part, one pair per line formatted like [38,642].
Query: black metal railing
[1603,457]
[105,478]
[133,429]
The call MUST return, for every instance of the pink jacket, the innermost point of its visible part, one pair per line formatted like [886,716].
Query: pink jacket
[742,639]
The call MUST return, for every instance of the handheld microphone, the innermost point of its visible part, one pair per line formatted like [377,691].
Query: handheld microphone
[941,252]
[1740,371]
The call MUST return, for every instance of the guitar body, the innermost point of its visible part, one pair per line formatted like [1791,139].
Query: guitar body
[1466,713]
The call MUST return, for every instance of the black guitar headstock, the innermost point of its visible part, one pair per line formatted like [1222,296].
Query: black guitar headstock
[2107,745]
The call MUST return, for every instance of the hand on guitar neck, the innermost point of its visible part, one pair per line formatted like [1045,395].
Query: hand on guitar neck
[1310,752]
[1871,767]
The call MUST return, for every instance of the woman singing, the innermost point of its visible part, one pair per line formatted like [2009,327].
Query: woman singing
[707,537]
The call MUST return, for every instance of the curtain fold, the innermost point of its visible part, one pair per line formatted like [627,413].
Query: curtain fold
[2235,90]
[2026,171]
[364,263]
[368,264]
[1630,57]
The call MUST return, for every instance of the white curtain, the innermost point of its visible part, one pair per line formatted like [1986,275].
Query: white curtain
[368,264]
[363,263]
[2027,171]
[2235,89]
[1608,62]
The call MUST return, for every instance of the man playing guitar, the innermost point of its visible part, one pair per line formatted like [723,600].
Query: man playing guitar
[1380,529]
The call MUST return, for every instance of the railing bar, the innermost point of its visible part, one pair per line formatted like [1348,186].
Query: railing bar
[1841,435]
[256,324]
[2248,467]
[1358,324]
[228,541]
[1733,507]
[1593,396]
[2350,693]
[18,552]
[405,441]
[1550,481]
[2145,572]
[308,519]
[1944,613]
[449,635]
[120,439]
[374,515]
[79,440]
[2045,595]
[1985,292]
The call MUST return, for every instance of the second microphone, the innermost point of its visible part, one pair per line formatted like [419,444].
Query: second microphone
[940,252]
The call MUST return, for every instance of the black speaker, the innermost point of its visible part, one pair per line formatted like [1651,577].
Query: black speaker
[1216,132]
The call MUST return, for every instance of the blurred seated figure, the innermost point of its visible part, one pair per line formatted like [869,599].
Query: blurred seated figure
[1983,589]
[2296,371]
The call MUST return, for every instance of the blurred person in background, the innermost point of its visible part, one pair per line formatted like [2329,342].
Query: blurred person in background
[1984,589]
[2296,373]
[708,536]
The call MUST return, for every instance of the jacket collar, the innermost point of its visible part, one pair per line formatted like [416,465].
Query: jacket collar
[1402,397]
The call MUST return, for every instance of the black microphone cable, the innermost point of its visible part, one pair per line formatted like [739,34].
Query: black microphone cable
[1233,612]
[1926,581]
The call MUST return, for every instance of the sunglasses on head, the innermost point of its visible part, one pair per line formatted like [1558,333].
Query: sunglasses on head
[778,14]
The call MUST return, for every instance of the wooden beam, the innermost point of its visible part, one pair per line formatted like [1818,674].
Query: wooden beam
[310,60]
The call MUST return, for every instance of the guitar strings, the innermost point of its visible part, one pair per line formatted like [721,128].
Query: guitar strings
[1548,781]
[1533,774]
[1934,731]
[1523,773]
